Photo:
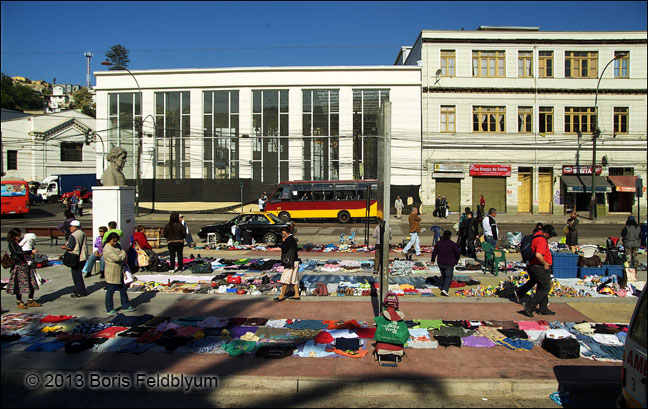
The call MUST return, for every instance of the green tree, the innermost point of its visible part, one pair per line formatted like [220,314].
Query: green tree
[18,96]
[83,101]
[118,56]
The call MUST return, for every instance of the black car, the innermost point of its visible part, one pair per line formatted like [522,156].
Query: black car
[262,227]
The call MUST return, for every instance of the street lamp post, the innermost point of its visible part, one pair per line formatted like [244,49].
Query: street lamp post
[595,134]
[139,145]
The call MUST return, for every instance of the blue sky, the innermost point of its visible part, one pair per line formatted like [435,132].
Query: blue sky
[46,40]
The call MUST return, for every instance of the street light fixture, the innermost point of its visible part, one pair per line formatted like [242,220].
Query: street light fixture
[595,134]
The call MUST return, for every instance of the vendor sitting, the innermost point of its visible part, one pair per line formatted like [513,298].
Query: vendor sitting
[140,238]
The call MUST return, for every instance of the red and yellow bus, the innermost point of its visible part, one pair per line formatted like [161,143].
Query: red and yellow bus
[14,197]
[324,199]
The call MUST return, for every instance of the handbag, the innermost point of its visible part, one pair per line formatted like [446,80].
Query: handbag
[392,332]
[142,257]
[288,258]
[201,267]
[566,229]
[7,262]
[70,260]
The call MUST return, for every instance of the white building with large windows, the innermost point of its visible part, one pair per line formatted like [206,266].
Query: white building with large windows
[503,108]
[204,130]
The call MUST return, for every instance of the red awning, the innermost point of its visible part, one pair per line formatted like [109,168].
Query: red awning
[624,183]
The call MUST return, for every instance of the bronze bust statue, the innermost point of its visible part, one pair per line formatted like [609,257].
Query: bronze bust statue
[113,176]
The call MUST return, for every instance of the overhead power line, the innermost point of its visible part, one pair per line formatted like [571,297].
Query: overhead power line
[279,47]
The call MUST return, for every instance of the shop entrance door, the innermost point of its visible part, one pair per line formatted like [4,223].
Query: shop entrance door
[524,192]
[545,192]
[451,189]
[494,190]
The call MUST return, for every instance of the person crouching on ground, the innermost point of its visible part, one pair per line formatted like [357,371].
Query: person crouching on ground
[290,262]
[448,253]
[115,259]
[23,277]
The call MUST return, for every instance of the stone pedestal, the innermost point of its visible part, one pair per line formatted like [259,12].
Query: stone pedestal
[114,203]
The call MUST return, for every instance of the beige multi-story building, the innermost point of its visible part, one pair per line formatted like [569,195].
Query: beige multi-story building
[509,113]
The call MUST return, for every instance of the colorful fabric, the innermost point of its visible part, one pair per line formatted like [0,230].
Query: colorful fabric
[21,278]
[532,325]
[477,342]
[516,344]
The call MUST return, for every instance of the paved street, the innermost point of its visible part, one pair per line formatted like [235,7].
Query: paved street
[466,377]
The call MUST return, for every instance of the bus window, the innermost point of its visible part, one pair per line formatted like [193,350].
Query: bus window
[361,193]
[329,192]
[305,192]
[294,192]
[318,191]
[374,192]
[281,193]
[344,191]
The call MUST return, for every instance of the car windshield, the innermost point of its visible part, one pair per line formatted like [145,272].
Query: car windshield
[274,218]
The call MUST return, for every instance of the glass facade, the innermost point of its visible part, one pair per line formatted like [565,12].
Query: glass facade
[270,139]
[366,111]
[172,114]
[321,131]
[221,132]
[124,109]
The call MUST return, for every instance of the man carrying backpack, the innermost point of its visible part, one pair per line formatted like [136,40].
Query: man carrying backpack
[539,269]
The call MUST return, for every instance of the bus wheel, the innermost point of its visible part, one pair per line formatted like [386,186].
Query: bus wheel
[270,238]
[284,216]
[344,217]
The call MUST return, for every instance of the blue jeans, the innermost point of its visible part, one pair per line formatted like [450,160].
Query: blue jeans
[110,291]
[491,240]
[446,276]
[414,240]
[91,261]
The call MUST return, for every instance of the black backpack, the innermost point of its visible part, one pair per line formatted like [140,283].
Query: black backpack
[525,248]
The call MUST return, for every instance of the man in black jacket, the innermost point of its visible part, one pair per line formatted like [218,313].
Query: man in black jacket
[469,229]
[290,263]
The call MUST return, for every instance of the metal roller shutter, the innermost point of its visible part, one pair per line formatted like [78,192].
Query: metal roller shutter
[451,189]
[494,190]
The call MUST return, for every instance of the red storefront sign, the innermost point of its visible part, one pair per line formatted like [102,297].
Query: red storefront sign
[580,170]
[490,170]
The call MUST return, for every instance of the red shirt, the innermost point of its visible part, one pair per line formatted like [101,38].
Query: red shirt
[540,246]
[140,238]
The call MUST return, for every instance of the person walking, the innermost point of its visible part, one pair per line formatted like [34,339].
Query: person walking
[414,231]
[22,277]
[448,253]
[115,260]
[76,244]
[489,225]
[290,262]
[80,206]
[461,239]
[97,253]
[572,232]
[469,230]
[74,202]
[175,233]
[631,240]
[539,269]
[188,237]
[398,204]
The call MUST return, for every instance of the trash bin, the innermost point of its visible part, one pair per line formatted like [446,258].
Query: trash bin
[644,233]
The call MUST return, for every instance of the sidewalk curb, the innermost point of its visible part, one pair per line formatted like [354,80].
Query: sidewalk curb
[376,387]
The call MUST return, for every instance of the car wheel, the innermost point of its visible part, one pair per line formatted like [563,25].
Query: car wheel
[344,217]
[217,237]
[284,216]
[270,238]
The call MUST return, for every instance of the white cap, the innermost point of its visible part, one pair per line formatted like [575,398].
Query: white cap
[75,223]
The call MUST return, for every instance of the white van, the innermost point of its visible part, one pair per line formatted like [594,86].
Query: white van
[635,363]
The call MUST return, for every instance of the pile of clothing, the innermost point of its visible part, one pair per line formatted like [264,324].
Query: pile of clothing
[280,338]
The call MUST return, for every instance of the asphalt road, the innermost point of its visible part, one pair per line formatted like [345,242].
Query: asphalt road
[51,214]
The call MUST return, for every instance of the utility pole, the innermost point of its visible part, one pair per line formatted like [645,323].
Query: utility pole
[88,55]
[139,127]
[384,197]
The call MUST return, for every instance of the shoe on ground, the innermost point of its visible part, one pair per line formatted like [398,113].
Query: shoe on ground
[279,299]
[129,309]
[546,312]
[87,275]
[527,311]
[21,305]
[32,303]
[444,293]
[418,254]
[112,312]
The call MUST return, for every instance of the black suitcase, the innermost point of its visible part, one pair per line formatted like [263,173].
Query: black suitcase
[563,348]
